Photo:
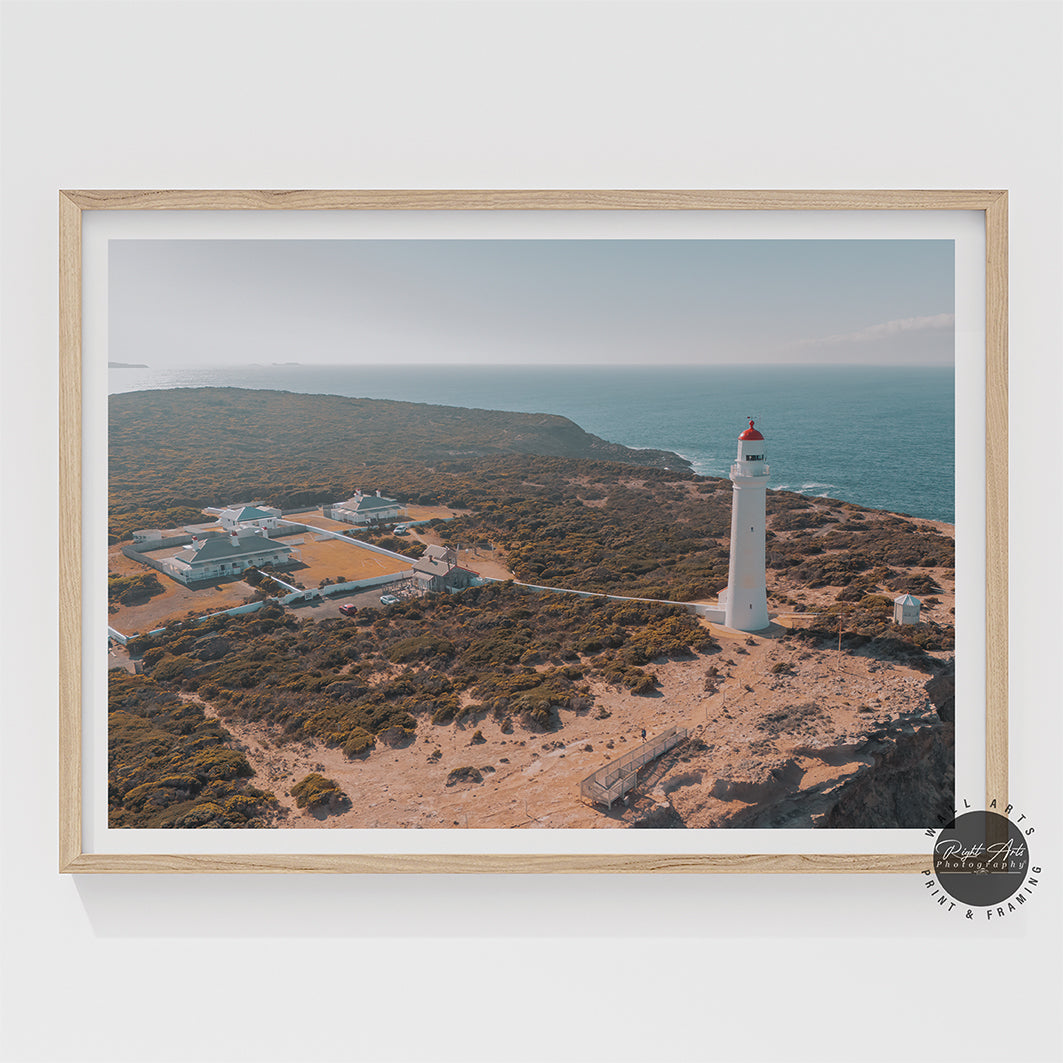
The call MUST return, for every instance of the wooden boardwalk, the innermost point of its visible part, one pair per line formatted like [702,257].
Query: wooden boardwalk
[614,779]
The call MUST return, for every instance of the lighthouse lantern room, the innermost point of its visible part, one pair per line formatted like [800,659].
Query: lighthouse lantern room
[746,604]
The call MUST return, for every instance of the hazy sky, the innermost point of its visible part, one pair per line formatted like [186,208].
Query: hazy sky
[230,302]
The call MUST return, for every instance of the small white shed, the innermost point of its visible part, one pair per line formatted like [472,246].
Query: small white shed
[905,609]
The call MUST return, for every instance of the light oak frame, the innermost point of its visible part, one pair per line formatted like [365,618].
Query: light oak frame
[72,858]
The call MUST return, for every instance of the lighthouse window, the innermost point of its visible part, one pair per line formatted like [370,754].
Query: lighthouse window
[754,457]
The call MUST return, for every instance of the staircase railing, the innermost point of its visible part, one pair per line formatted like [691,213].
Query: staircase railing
[611,781]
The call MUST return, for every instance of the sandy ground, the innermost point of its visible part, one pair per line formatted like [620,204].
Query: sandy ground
[433,512]
[485,563]
[176,600]
[532,779]
[316,520]
[337,560]
[813,598]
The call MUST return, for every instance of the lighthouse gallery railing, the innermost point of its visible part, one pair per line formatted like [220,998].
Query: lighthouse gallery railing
[751,469]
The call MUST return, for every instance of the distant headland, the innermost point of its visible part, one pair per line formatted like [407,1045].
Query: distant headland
[127,365]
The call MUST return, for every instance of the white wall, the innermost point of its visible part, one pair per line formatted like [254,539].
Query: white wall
[242,95]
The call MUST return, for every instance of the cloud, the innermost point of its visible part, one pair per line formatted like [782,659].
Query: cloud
[886,330]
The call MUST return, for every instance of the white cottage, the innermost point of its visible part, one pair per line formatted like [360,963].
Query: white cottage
[364,509]
[241,518]
[226,555]
[905,609]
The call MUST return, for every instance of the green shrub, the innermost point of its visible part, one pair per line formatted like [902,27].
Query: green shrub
[446,709]
[876,603]
[420,647]
[315,792]
[357,742]
[203,815]
[170,667]
[132,590]
[643,684]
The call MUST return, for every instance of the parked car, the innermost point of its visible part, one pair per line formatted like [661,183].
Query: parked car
[401,529]
[348,610]
[389,599]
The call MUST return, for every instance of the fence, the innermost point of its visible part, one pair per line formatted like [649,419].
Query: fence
[159,565]
[351,585]
[710,612]
[613,780]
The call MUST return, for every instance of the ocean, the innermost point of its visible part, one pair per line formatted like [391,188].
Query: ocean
[879,436]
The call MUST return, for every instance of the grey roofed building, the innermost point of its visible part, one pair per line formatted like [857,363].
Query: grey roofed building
[226,555]
[446,554]
[906,609]
[239,516]
[248,513]
[439,573]
[432,565]
[363,508]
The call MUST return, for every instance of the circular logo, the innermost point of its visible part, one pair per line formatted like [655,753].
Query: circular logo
[981,858]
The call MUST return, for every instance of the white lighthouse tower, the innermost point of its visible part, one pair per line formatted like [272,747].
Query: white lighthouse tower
[746,605]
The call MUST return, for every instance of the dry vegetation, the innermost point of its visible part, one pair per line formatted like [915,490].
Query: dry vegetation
[209,446]
[364,683]
[489,656]
[170,766]
[558,520]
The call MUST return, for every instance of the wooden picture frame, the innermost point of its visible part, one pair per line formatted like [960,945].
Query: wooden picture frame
[72,207]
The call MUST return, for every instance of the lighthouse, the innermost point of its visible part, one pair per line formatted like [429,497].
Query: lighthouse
[746,605]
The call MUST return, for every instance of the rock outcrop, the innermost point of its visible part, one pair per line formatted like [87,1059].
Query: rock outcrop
[888,765]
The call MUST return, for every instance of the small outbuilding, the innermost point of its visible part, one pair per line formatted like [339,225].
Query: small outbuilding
[905,609]
[145,536]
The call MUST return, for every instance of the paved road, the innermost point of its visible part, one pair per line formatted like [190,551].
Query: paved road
[323,609]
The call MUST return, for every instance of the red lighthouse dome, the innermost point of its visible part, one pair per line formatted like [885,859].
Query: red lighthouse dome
[750,433]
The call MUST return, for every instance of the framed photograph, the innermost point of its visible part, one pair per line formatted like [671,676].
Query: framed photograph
[530,531]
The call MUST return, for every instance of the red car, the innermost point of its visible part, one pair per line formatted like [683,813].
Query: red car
[348,610]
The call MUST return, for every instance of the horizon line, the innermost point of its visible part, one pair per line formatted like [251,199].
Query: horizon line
[543,365]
